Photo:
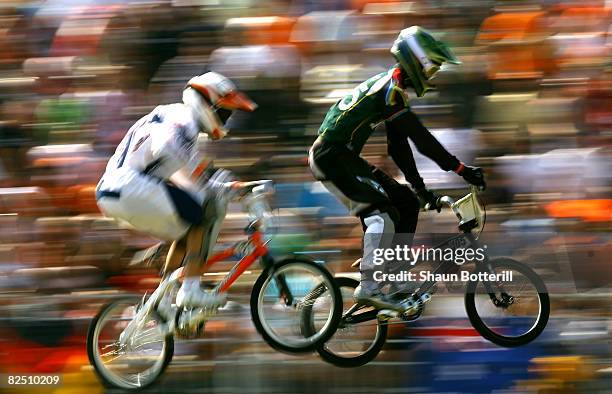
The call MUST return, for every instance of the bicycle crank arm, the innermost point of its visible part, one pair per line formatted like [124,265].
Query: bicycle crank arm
[360,317]
[387,314]
[412,308]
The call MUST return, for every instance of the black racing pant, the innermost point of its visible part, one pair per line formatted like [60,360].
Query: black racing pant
[363,187]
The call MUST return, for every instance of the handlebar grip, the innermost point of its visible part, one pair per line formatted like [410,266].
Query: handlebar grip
[428,206]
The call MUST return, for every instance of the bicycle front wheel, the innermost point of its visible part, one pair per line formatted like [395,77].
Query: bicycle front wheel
[282,292]
[512,312]
[135,362]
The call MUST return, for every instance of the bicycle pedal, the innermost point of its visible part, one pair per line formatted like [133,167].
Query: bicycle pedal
[387,314]
[426,297]
[191,322]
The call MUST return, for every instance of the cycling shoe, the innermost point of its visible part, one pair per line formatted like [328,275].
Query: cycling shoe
[379,300]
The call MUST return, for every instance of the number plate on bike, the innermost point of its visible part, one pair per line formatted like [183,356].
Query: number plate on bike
[459,242]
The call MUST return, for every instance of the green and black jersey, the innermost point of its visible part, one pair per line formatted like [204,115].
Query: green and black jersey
[350,120]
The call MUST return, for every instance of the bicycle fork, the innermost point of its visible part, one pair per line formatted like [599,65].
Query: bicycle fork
[493,288]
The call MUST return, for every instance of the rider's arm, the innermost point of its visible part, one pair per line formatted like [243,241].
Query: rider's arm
[175,145]
[401,153]
[195,174]
[405,124]
[182,179]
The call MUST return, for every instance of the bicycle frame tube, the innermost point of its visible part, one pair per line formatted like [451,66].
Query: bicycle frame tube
[260,250]
[442,268]
[445,266]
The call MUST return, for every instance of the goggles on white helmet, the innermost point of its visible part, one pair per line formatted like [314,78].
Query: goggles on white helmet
[213,98]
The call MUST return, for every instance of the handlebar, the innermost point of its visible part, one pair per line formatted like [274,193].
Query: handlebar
[440,202]
[468,210]
[255,199]
[450,202]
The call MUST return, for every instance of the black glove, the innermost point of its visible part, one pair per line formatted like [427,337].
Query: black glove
[474,176]
[429,198]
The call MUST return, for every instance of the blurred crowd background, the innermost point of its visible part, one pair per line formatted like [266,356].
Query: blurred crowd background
[531,104]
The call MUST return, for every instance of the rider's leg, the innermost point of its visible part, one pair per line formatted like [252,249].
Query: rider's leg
[191,294]
[407,206]
[379,228]
[404,201]
[175,256]
[350,179]
[199,243]
[194,256]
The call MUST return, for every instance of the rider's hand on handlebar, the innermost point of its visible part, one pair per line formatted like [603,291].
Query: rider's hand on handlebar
[430,199]
[473,175]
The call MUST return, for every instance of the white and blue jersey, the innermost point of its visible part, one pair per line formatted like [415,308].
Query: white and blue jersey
[136,187]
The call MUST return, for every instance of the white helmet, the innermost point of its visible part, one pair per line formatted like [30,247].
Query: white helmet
[213,97]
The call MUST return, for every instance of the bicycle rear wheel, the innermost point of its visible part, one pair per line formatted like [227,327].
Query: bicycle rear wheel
[522,309]
[140,360]
[280,294]
[353,344]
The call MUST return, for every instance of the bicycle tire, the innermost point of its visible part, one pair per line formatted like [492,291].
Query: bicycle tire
[100,371]
[496,338]
[370,353]
[307,345]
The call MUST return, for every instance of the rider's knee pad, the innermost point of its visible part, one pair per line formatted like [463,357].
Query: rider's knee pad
[380,221]
[209,211]
[388,209]
[379,231]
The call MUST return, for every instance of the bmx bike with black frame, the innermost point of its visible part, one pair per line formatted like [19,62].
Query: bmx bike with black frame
[509,314]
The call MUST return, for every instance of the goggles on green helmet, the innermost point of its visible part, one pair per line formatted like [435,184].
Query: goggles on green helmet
[420,55]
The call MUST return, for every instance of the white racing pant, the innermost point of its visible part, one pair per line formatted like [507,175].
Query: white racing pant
[144,203]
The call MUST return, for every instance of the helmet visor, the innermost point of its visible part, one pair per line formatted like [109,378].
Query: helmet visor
[237,101]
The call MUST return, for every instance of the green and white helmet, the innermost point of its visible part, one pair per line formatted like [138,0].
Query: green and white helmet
[421,55]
